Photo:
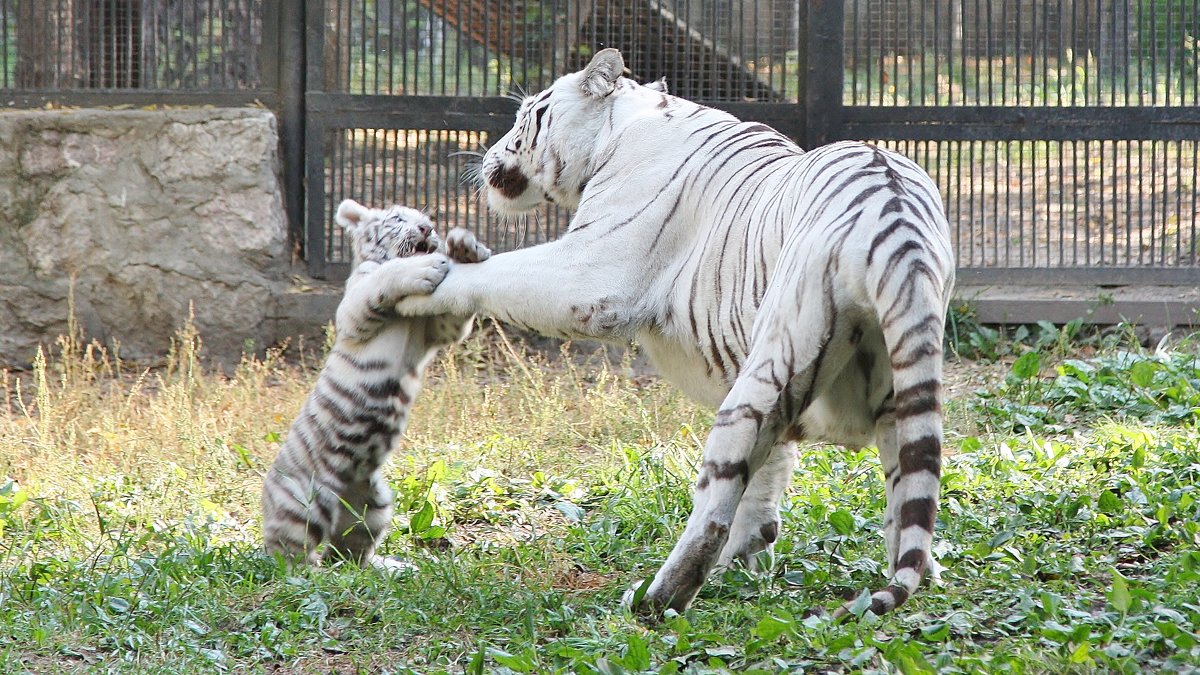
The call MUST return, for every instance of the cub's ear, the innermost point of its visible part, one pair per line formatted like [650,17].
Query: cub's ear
[659,85]
[600,76]
[350,214]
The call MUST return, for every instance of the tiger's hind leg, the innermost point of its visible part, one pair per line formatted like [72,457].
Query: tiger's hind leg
[294,526]
[756,525]
[740,442]
[774,388]
[364,514]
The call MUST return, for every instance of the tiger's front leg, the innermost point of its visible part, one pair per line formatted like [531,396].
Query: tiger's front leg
[374,289]
[553,288]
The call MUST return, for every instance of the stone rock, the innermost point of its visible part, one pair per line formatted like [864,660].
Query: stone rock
[140,214]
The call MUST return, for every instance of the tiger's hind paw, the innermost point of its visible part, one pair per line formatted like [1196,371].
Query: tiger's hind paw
[392,566]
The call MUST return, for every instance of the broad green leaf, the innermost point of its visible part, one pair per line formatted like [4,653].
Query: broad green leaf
[1027,366]
[1119,595]
[422,519]
[842,522]
[1110,502]
[637,655]
[771,628]
[1142,373]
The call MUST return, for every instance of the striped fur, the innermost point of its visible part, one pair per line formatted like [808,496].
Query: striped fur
[325,494]
[801,294]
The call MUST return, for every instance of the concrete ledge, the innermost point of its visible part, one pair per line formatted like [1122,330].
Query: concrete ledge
[1159,306]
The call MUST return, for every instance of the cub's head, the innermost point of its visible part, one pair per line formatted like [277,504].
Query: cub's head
[548,155]
[378,235]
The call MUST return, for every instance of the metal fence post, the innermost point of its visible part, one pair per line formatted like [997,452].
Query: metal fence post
[314,139]
[821,31]
[288,67]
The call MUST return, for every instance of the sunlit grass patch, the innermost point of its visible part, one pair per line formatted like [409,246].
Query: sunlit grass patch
[534,487]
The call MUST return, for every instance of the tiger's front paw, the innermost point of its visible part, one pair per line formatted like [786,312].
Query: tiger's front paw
[463,247]
[418,275]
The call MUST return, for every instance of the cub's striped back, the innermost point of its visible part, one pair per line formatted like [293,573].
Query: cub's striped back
[325,494]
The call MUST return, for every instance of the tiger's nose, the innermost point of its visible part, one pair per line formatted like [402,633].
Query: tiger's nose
[425,229]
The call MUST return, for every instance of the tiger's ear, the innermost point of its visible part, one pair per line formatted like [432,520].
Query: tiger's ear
[350,214]
[659,85]
[600,76]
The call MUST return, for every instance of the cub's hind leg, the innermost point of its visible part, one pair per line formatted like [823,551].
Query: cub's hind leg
[364,514]
[294,524]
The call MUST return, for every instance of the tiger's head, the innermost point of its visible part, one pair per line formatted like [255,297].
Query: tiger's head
[548,155]
[378,235]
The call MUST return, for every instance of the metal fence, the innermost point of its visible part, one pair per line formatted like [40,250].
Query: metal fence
[198,45]
[1064,134]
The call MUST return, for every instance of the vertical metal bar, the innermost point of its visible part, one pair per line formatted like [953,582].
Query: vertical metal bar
[1021,210]
[977,98]
[1062,197]
[1178,199]
[1193,244]
[4,81]
[313,20]
[895,53]
[824,77]
[1004,54]
[1017,54]
[924,54]
[937,59]
[1087,240]
[1115,192]
[1156,238]
[283,68]
[908,48]
[1049,262]
[1102,223]
[856,42]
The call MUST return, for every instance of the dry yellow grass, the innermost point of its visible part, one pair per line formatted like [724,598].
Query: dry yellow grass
[181,439]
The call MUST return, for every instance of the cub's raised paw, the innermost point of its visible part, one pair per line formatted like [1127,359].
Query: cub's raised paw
[463,247]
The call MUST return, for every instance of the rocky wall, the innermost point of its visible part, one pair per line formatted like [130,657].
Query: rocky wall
[143,213]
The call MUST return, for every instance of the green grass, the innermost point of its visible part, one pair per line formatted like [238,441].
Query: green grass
[533,489]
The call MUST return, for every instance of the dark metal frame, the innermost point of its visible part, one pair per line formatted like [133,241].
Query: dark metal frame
[293,84]
[829,119]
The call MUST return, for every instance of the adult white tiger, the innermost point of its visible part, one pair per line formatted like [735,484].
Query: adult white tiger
[802,293]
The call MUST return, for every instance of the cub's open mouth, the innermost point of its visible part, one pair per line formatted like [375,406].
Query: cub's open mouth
[428,245]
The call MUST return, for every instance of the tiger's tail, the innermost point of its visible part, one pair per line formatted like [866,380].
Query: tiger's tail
[911,282]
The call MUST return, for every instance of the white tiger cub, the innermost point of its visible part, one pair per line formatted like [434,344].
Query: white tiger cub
[801,294]
[326,486]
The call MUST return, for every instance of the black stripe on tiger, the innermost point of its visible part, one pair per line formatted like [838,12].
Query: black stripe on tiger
[918,399]
[923,454]
[723,471]
[884,604]
[920,512]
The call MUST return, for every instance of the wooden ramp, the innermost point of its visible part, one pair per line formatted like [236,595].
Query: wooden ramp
[654,42]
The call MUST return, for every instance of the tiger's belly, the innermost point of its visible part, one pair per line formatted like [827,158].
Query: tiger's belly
[683,366]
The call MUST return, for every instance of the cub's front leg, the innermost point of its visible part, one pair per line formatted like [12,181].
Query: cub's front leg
[374,289]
